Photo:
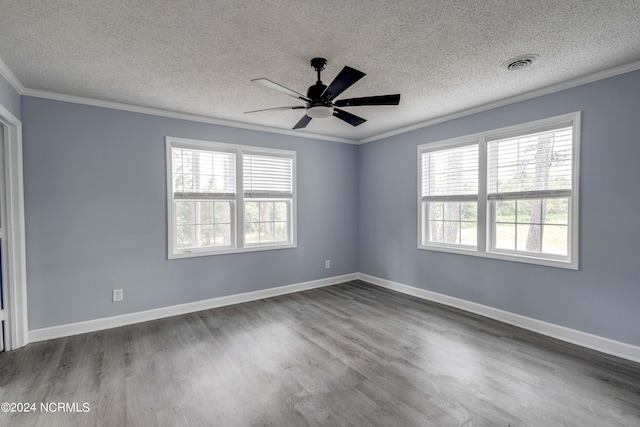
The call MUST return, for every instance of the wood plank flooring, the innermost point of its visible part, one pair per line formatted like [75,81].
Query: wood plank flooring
[346,355]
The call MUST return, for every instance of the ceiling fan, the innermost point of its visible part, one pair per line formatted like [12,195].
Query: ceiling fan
[320,100]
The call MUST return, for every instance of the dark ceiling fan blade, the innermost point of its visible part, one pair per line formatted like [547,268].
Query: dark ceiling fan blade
[342,82]
[293,107]
[273,85]
[352,119]
[369,100]
[304,121]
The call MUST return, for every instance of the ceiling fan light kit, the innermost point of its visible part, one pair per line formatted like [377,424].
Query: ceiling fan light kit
[319,98]
[319,111]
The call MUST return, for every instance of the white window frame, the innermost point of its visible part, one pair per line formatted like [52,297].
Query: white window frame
[237,209]
[486,224]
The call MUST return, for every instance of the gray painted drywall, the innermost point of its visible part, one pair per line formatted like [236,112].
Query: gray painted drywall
[603,297]
[95,215]
[95,211]
[9,98]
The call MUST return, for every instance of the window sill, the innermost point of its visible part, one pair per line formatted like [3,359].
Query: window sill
[547,262]
[227,251]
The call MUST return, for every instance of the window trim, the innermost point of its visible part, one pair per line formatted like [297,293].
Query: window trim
[237,221]
[485,227]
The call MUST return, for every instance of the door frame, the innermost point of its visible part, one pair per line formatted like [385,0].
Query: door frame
[15,280]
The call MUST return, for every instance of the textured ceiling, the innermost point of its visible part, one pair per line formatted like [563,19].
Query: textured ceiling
[198,56]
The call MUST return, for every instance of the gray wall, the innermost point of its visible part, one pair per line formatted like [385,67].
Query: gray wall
[603,296]
[95,205]
[95,211]
[9,98]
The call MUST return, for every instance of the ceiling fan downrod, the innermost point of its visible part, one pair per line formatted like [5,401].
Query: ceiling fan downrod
[319,64]
[318,107]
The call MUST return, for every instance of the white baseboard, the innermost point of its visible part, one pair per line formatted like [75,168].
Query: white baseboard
[175,310]
[583,339]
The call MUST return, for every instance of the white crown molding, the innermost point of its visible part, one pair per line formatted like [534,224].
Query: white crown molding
[583,339]
[11,78]
[590,78]
[175,310]
[175,115]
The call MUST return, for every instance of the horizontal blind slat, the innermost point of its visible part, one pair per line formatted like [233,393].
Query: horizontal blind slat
[548,194]
[267,195]
[528,164]
[456,198]
[450,172]
[267,176]
[202,172]
[203,196]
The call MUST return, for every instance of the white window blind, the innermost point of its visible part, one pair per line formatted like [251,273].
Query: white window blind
[450,174]
[199,174]
[267,176]
[531,166]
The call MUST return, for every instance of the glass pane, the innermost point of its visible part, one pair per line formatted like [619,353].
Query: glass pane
[469,233]
[469,211]
[436,210]
[522,230]
[223,212]
[555,239]
[451,232]
[251,211]
[266,211]
[280,231]
[524,210]
[266,232]
[223,234]
[529,237]
[185,212]
[280,211]
[452,211]
[206,212]
[505,211]
[205,235]
[557,211]
[185,237]
[251,234]
[505,236]
[436,231]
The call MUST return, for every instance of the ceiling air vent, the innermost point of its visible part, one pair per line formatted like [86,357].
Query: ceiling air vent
[520,62]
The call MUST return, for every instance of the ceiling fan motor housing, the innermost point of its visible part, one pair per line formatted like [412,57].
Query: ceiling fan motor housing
[318,107]
[314,93]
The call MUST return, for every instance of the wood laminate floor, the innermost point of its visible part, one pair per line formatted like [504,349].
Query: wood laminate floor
[345,355]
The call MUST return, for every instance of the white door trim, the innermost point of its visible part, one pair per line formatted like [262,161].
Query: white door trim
[17,331]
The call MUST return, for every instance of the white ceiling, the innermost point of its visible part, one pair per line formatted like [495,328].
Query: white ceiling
[198,56]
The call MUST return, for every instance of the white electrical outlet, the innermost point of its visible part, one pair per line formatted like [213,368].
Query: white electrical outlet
[327,264]
[118,295]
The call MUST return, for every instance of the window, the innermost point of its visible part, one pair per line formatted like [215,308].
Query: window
[508,194]
[227,198]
